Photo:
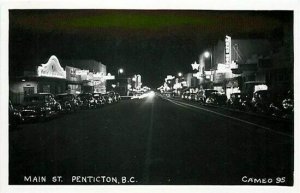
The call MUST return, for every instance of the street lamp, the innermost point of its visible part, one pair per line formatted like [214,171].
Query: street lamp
[206,55]
[179,74]
[120,71]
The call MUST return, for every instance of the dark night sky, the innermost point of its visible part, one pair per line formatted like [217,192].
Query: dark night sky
[152,43]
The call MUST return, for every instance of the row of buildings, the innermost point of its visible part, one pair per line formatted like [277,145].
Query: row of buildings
[69,76]
[240,65]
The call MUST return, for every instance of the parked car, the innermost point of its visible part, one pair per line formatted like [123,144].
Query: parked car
[99,99]
[261,101]
[118,96]
[239,101]
[184,95]
[113,96]
[203,95]
[15,116]
[86,101]
[283,106]
[168,94]
[288,101]
[189,96]
[39,106]
[68,102]
[216,98]
[192,97]
[108,99]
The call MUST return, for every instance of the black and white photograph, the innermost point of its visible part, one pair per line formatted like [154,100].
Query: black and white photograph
[126,97]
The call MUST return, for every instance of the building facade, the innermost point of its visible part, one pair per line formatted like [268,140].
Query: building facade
[55,77]
[254,63]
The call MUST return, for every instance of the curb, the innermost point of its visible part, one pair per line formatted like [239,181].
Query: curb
[244,112]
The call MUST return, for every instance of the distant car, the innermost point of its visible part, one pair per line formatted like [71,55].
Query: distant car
[40,106]
[189,97]
[68,102]
[118,96]
[183,95]
[15,116]
[99,99]
[86,101]
[192,97]
[166,94]
[113,96]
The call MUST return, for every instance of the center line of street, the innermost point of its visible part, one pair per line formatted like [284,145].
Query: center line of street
[149,146]
[185,105]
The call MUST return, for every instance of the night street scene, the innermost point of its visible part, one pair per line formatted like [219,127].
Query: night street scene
[151,97]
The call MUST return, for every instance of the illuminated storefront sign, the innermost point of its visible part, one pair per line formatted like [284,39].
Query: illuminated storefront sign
[198,75]
[71,74]
[234,65]
[82,72]
[228,50]
[260,87]
[51,69]
[90,76]
[170,77]
[109,77]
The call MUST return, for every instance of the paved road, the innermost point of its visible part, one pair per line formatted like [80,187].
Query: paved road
[156,141]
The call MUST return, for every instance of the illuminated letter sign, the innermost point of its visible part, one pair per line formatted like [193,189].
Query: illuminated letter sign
[82,72]
[227,50]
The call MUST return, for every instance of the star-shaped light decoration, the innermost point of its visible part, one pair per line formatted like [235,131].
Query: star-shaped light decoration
[195,66]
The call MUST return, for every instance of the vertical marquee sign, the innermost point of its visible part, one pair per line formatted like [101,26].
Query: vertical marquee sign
[228,50]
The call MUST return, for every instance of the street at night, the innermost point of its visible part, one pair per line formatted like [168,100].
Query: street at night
[143,96]
[155,140]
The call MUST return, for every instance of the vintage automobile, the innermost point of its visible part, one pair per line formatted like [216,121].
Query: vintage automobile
[39,106]
[15,116]
[86,101]
[261,101]
[283,106]
[113,96]
[68,102]
[216,98]
[192,97]
[184,95]
[288,102]
[118,96]
[99,99]
[239,101]
[108,99]
[203,95]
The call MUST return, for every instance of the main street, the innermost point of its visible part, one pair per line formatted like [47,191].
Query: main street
[157,141]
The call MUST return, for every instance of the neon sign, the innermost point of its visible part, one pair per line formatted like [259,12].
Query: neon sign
[227,50]
[52,69]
